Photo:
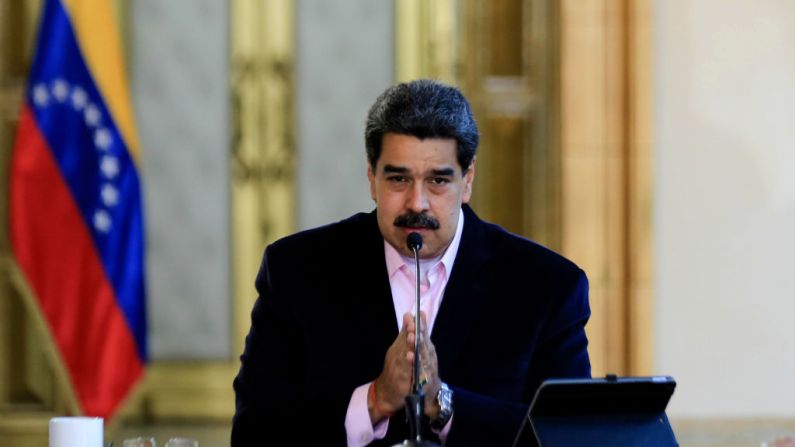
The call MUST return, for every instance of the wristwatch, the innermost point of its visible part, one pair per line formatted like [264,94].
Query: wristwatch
[444,398]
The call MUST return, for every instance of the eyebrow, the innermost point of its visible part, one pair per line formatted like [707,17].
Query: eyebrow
[443,172]
[392,169]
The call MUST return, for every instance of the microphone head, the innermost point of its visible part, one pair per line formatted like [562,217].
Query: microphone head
[414,241]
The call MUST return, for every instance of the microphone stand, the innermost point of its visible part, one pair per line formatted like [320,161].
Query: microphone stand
[415,402]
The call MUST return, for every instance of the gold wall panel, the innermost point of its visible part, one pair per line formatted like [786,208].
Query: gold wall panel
[606,173]
[640,181]
[502,55]
[263,146]
[427,40]
[509,135]
[506,46]
[507,72]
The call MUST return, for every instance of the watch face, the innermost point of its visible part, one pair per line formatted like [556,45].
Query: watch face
[444,398]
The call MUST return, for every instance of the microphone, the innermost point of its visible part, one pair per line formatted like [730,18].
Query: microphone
[414,242]
[415,402]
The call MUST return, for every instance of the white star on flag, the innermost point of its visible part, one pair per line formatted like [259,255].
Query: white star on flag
[102,221]
[92,115]
[40,95]
[102,139]
[79,98]
[109,166]
[60,89]
[110,195]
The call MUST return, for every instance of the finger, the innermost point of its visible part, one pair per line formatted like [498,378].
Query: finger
[429,369]
[408,321]
[427,347]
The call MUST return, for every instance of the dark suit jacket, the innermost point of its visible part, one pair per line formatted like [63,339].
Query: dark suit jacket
[513,314]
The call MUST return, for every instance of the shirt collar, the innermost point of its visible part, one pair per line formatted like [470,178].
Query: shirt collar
[394,260]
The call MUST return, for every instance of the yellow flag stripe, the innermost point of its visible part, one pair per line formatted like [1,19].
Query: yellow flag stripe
[98,37]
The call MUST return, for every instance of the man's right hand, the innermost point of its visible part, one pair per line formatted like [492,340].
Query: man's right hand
[394,383]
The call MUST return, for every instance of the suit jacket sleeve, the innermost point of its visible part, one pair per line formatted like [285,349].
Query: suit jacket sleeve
[267,383]
[274,396]
[561,351]
[300,365]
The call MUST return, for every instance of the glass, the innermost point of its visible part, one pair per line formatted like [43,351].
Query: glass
[182,442]
[140,442]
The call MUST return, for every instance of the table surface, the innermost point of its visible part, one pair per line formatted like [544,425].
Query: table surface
[689,432]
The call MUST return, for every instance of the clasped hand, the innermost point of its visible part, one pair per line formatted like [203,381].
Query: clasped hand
[396,380]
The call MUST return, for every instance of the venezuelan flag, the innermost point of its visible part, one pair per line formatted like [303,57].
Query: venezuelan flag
[76,219]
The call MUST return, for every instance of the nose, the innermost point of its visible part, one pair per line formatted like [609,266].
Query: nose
[417,199]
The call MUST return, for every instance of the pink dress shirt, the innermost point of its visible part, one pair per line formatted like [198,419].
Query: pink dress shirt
[433,280]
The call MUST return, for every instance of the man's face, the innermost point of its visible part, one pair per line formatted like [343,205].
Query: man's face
[419,186]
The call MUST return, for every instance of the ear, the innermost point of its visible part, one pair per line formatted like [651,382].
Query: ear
[371,179]
[469,177]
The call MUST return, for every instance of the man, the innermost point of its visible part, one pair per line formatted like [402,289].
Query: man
[329,356]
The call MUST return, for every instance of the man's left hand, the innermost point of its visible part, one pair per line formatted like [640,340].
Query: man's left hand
[429,370]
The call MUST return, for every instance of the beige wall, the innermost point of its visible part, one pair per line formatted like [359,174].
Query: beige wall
[344,60]
[725,205]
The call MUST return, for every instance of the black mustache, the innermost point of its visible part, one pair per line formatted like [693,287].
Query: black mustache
[415,220]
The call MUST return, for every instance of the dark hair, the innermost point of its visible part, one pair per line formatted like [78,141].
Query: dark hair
[424,109]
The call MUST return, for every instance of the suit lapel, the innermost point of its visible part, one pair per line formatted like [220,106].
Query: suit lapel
[374,309]
[465,293]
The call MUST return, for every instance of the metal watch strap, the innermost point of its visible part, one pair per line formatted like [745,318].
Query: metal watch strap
[444,398]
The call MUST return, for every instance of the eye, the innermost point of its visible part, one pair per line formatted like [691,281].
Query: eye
[439,180]
[397,178]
